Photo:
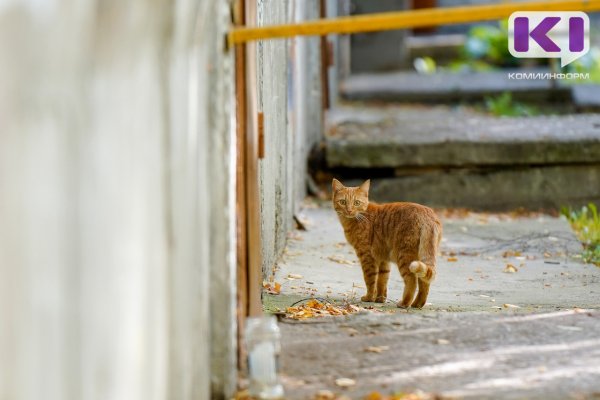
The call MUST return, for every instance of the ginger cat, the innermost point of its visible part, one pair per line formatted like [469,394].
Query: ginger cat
[407,234]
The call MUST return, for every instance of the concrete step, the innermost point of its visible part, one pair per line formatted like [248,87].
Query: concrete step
[407,86]
[456,157]
[408,136]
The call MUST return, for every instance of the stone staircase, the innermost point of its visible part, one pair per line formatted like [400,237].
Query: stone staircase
[454,156]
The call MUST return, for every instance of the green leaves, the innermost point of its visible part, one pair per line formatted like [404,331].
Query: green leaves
[586,223]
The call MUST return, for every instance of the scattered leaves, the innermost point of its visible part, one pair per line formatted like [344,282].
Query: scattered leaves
[272,287]
[510,269]
[418,395]
[314,308]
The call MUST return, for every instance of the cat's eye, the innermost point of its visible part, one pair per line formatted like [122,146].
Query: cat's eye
[357,203]
[342,202]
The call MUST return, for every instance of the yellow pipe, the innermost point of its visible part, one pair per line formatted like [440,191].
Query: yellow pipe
[405,19]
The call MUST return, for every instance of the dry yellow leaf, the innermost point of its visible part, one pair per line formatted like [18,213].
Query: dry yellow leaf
[340,259]
[510,269]
[325,395]
[294,276]
[376,349]
[374,396]
[345,382]
[452,259]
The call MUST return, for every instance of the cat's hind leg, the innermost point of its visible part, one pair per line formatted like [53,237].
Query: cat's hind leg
[383,274]
[370,271]
[421,298]
[410,285]
[424,269]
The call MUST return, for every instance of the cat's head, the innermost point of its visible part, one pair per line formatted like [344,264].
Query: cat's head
[349,202]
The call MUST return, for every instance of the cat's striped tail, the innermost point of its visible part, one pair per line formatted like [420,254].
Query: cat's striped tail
[428,245]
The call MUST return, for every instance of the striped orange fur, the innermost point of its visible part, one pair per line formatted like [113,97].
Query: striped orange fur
[407,234]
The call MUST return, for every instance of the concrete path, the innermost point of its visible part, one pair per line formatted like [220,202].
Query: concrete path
[485,333]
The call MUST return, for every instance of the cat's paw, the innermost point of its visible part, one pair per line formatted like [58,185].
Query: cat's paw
[368,298]
[401,305]
[418,303]
[380,299]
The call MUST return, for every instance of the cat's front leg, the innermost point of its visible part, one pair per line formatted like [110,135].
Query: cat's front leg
[383,274]
[370,271]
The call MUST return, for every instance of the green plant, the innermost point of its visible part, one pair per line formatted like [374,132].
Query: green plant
[485,49]
[503,105]
[588,64]
[586,223]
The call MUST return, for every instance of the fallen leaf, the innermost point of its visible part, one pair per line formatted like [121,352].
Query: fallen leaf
[443,341]
[510,269]
[352,331]
[376,349]
[374,396]
[345,382]
[511,253]
[340,259]
[324,395]
[452,259]
[272,288]
[243,395]
[294,276]
[506,305]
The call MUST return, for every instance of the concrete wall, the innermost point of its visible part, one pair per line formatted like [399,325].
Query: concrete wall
[116,210]
[288,86]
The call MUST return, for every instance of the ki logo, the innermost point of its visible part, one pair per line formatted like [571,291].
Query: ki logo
[540,34]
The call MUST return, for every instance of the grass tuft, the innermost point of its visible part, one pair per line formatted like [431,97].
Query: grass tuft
[586,223]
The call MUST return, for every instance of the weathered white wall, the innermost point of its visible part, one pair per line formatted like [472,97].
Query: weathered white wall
[288,86]
[116,209]
[306,84]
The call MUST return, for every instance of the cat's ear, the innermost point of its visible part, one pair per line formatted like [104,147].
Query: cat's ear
[365,186]
[336,185]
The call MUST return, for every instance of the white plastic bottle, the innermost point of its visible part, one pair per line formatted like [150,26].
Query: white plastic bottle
[263,343]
